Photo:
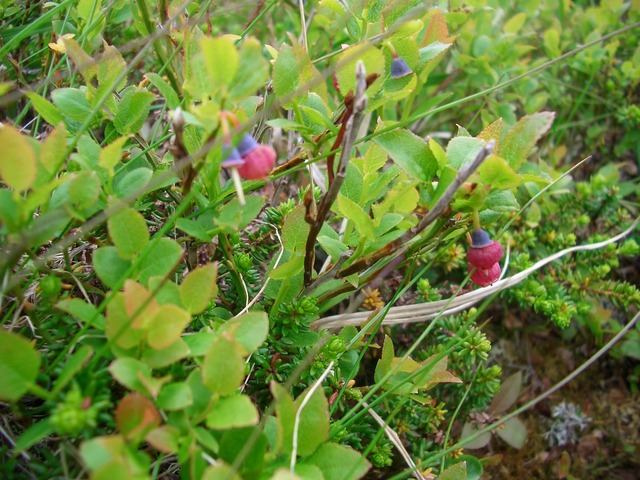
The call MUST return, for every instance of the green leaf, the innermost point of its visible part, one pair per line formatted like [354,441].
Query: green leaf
[410,152]
[288,269]
[166,326]
[111,65]
[235,216]
[502,201]
[314,421]
[118,328]
[72,366]
[174,396]
[355,213]
[199,343]
[384,364]
[52,153]
[173,101]
[253,71]
[88,9]
[295,230]
[332,246]
[84,189]
[165,291]
[82,311]
[109,266]
[18,167]
[236,411]
[454,472]
[223,366]
[86,65]
[514,432]
[133,183]
[45,108]
[19,365]
[32,435]
[6,87]
[220,471]
[515,23]
[10,211]
[132,111]
[199,287]
[339,462]
[220,59]
[463,150]
[128,231]
[165,439]
[250,329]
[370,56]
[285,73]
[495,171]
[131,373]
[353,184]
[73,104]
[474,467]
[111,155]
[519,141]
[167,356]
[161,256]
[193,228]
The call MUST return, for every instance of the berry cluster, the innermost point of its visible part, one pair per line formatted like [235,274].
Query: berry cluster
[483,256]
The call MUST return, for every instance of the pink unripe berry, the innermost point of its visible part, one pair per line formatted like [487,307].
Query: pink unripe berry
[485,277]
[485,257]
[257,163]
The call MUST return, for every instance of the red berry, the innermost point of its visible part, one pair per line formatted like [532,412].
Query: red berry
[485,277]
[485,257]
[258,163]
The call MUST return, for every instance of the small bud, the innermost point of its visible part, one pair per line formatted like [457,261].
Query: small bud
[399,68]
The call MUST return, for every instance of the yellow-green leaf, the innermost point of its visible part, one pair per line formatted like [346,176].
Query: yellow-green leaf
[166,326]
[199,287]
[237,411]
[111,155]
[53,150]
[128,231]
[221,59]
[223,366]
[355,213]
[45,108]
[18,167]
[19,365]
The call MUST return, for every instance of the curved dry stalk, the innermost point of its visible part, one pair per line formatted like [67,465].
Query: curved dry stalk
[423,312]
[395,439]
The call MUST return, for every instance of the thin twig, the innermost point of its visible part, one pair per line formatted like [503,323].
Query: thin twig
[351,128]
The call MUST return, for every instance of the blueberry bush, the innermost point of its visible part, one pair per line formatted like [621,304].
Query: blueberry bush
[263,240]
